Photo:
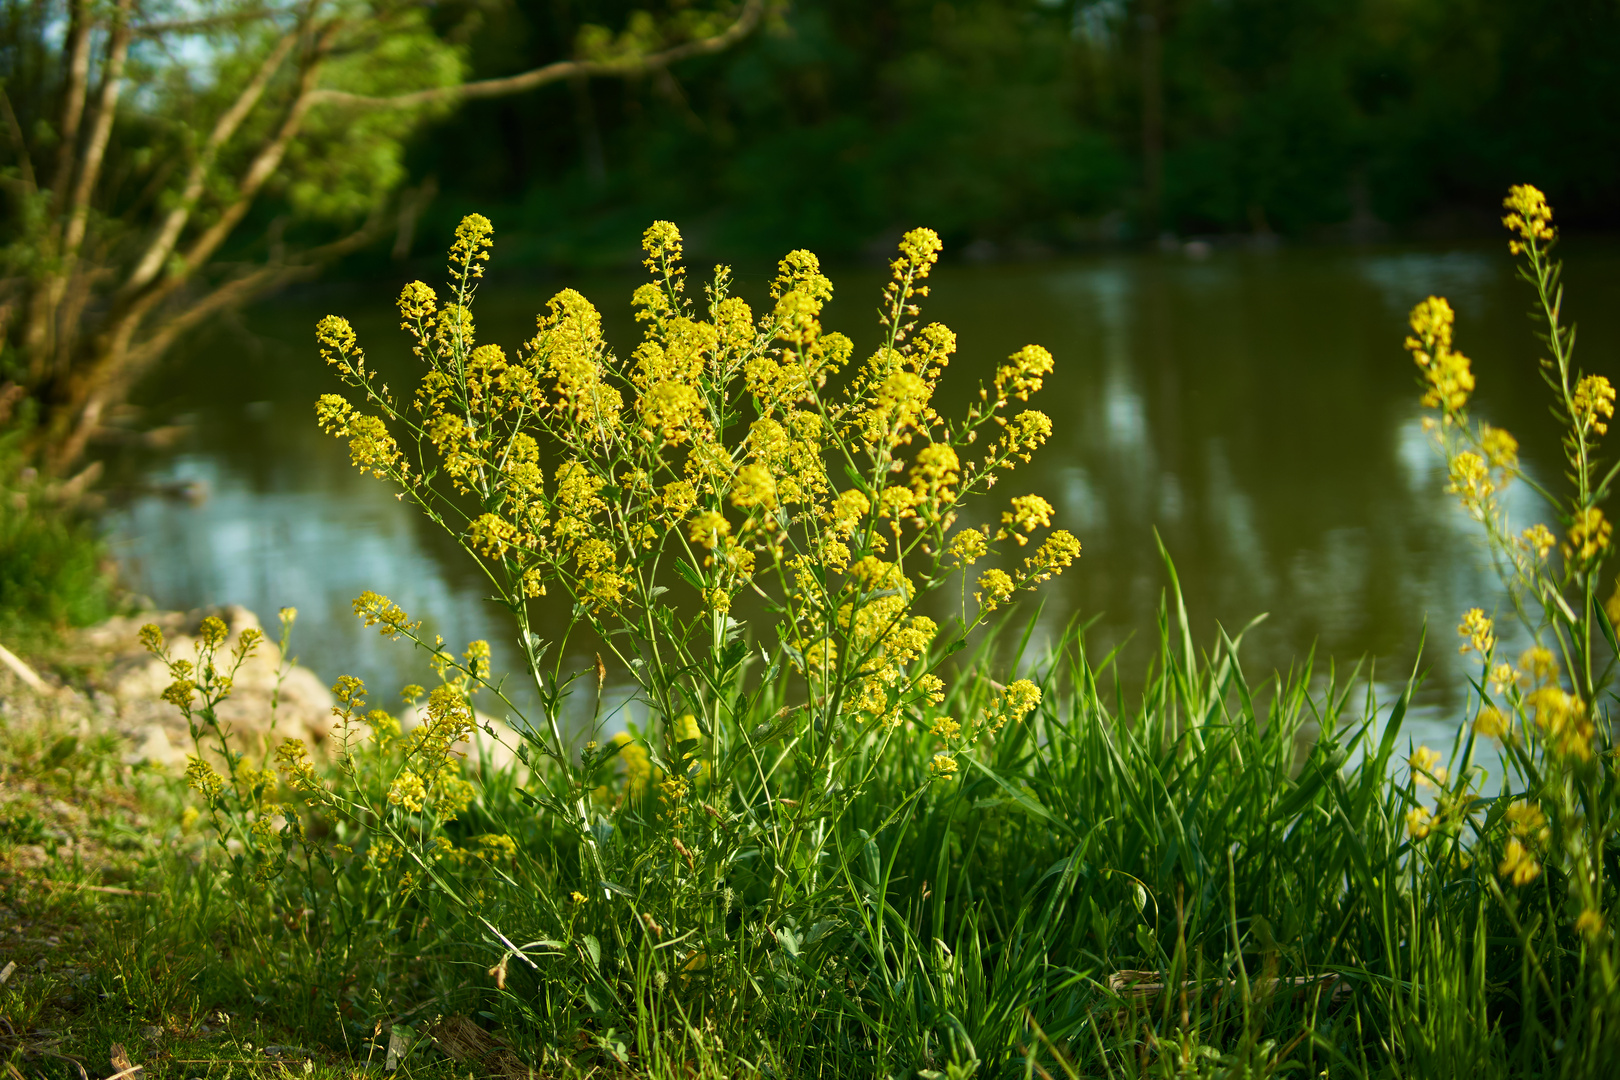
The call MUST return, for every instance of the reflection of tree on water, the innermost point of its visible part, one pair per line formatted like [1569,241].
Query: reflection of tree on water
[1257,411]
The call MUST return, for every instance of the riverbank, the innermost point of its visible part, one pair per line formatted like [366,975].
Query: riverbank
[100,850]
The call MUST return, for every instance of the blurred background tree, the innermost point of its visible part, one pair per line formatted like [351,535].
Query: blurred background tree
[256,142]
[168,159]
[1028,125]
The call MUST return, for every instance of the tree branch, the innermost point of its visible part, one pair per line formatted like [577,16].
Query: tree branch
[203,248]
[116,371]
[753,11]
[78,50]
[14,129]
[193,26]
[163,243]
[95,151]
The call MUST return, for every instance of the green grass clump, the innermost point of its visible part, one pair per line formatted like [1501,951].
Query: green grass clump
[53,570]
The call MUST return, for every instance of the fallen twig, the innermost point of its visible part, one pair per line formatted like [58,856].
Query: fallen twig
[23,671]
[113,890]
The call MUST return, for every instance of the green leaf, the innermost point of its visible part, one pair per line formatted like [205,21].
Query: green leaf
[1025,801]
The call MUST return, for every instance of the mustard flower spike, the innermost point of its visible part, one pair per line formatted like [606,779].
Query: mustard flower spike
[381,612]
[1518,865]
[202,778]
[1501,448]
[1419,823]
[474,237]
[1028,513]
[1490,723]
[1424,764]
[1476,630]
[967,547]
[408,791]
[662,243]
[800,271]
[708,528]
[1054,556]
[919,251]
[1594,398]
[1589,536]
[995,587]
[1471,481]
[1023,373]
[417,304]
[1448,375]
[1529,217]
[1538,538]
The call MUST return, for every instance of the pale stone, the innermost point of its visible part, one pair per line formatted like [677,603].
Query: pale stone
[131,688]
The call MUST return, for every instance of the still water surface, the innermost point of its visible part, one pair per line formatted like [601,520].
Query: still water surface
[1255,408]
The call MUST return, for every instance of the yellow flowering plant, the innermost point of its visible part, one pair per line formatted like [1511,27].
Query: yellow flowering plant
[257,832]
[735,462]
[1549,711]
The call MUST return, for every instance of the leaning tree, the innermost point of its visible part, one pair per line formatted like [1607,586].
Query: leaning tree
[164,160]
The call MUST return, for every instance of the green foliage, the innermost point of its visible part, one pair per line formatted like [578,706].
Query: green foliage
[1020,122]
[53,572]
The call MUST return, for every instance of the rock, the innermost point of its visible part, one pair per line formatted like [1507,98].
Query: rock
[153,746]
[255,716]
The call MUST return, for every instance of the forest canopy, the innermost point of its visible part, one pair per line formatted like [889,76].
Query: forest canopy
[1041,124]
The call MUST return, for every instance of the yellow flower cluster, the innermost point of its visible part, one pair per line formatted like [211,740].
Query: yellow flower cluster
[995,586]
[1419,822]
[1491,723]
[1526,820]
[1478,632]
[202,778]
[1594,403]
[381,612]
[292,758]
[1529,217]
[1028,513]
[1538,538]
[1589,536]
[1562,721]
[1518,865]
[1501,448]
[1054,556]
[1471,482]
[1424,764]
[967,547]
[1449,374]
[1024,373]
[408,791]
[637,764]
[1012,705]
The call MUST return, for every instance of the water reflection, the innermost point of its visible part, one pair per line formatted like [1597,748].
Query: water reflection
[1256,410]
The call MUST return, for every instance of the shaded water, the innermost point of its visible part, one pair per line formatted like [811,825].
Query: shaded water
[1255,408]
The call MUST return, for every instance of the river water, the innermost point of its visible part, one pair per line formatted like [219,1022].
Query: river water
[1255,408]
